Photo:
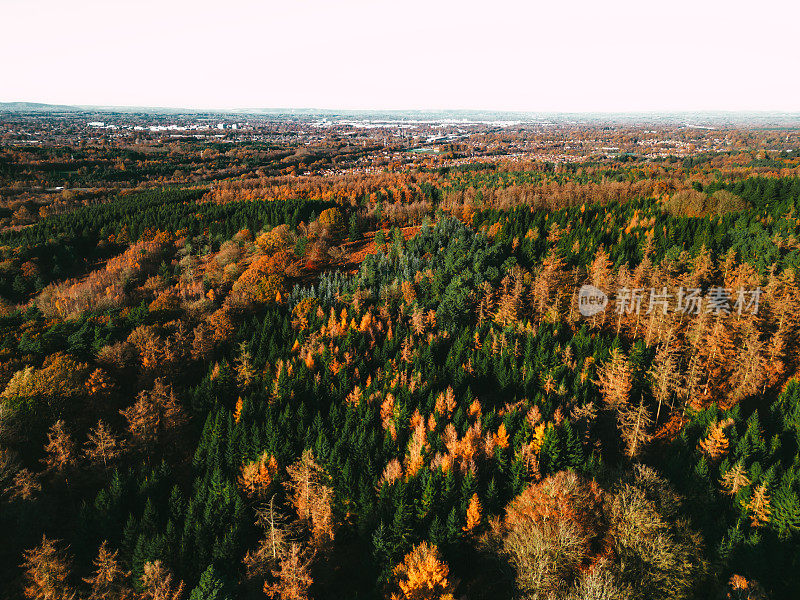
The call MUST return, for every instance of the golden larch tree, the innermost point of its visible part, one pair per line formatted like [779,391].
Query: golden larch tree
[237,411]
[24,486]
[157,583]
[109,580]
[423,575]
[256,476]
[102,445]
[734,479]
[473,513]
[271,547]
[715,445]
[293,576]
[759,506]
[311,497]
[60,448]
[501,437]
[47,572]
[615,379]
[155,417]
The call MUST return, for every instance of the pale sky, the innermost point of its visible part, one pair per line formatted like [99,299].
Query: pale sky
[562,55]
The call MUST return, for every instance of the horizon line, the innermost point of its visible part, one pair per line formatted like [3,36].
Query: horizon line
[289,109]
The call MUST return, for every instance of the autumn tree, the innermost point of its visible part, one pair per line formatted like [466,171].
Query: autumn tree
[257,476]
[263,281]
[60,448]
[634,424]
[548,281]
[550,529]
[600,270]
[102,445]
[245,372]
[24,486]
[311,497]
[423,575]
[734,479]
[116,356]
[501,437]
[149,346]
[293,576]
[331,220]
[473,513]
[507,309]
[741,588]
[155,418]
[715,446]
[664,374]
[750,373]
[99,385]
[202,341]
[157,583]
[47,572]
[716,348]
[759,506]
[221,324]
[659,556]
[272,546]
[109,580]
[417,445]
[615,380]
[600,581]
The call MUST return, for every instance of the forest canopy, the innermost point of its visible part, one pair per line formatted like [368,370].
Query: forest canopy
[299,382]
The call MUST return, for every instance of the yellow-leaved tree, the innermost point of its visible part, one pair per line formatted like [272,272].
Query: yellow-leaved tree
[474,511]
[422,575]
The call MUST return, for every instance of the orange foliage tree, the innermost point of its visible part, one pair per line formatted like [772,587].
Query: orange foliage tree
[551,528]
[102,445]
[155,417]
[263,281]
[60,448]
[109,580]
[473,513]
[257,476]
[423,575]
[157,583]
[293,576]
[311,497]
[47,572]
[715,446]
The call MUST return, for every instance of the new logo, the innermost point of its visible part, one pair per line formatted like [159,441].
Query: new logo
[591,300]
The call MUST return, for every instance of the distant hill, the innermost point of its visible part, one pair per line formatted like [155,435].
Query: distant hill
[36,107]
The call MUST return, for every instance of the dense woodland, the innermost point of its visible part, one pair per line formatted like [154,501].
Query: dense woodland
[380,386]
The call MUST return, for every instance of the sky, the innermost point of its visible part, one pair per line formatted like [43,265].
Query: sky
[555,56]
